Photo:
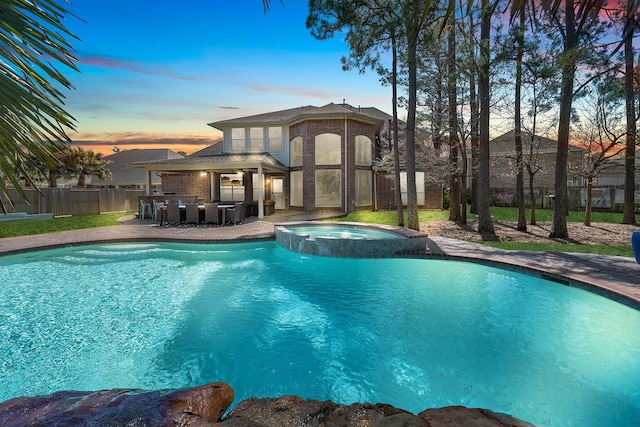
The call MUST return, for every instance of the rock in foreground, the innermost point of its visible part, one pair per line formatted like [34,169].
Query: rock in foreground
[205,405]
[191,407]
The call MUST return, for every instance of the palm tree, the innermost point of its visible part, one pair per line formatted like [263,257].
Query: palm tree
[82,163]
[32,39]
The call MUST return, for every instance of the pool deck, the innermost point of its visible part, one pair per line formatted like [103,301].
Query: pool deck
[615,277]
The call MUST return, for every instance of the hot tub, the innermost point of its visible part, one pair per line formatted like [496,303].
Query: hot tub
[349,239]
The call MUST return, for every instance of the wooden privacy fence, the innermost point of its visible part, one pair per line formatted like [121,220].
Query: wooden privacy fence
[71,201]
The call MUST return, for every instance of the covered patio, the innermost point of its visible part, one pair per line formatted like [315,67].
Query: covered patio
[203,177]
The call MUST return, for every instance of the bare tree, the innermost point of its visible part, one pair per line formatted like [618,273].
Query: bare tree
[601,131]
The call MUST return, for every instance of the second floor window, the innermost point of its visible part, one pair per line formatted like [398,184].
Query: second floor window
[328,150]
[275,139]
[296,151]
[257,139]
[363,150]
[237,139]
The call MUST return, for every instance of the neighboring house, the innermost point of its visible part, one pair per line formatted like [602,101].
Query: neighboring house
[608,191]
[125,176]
[308,158]
[541,152]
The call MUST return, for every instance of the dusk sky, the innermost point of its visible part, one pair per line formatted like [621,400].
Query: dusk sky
[154,73]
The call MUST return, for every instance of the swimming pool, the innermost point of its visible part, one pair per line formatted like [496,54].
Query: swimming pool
[413,333]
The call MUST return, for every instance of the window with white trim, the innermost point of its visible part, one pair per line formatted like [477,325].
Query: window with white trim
[296,151]
[419,187]
[237,139]
[328,188]
[256,139]
[363,150]
[328,149]
[275,139]
[363,188]
[295,198]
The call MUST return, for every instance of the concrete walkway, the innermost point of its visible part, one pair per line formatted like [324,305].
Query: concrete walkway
[615,277]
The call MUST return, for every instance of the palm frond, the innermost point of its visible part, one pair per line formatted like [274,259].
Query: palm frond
[33,41]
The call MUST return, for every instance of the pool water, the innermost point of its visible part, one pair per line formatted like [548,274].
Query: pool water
[343,232]
[413,333]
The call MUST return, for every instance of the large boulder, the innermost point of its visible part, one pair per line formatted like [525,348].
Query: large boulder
[296,412]
[192,407]
[205,405]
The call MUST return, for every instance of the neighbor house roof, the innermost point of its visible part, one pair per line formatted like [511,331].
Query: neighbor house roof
[123,174]
[293,115]
[505,144]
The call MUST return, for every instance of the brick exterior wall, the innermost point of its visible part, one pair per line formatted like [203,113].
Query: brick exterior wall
[196,184]
[308,130]
[187,183]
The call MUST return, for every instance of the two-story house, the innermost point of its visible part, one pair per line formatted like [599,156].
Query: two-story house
[307,158]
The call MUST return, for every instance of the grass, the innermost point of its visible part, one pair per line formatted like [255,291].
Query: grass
[511,214]
[27,228]
[39,226]
[625,251]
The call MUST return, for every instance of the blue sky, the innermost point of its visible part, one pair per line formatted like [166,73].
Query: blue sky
[154,73]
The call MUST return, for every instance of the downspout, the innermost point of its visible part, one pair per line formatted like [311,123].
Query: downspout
[346,184]
[375,188]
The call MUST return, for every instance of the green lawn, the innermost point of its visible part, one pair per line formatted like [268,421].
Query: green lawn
[26,228]
[39,226]
[511,214]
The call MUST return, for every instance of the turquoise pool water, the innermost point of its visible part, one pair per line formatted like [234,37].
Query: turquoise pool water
[413,333]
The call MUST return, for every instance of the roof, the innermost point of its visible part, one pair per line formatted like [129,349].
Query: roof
[215,148]
[123,174]
[505,144]
[219,162]
[292,115]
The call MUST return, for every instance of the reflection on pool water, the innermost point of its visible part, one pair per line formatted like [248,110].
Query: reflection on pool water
[413,333]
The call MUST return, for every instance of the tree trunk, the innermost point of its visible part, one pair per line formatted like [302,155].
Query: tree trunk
[532,195]
[52,178]
[559,228]
[628,210]
[485,224]
[475,141]
[396,153]
[454,193]
[522,219]
[587,209]
[412,65]
[81,180]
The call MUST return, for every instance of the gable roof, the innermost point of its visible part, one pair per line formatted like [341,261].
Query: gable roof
[292,115]
[505,144]
[123,174]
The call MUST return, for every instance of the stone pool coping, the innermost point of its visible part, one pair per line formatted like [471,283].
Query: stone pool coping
[617,278]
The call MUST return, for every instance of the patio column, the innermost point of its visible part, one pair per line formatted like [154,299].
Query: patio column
[260,192]
[211,184]
[147,185]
